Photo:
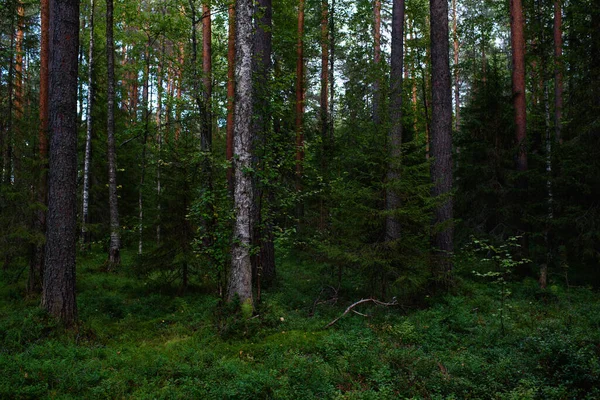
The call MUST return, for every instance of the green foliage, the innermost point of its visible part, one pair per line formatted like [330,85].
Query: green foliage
[135,341]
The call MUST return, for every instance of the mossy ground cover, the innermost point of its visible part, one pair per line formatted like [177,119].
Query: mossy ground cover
[141,340]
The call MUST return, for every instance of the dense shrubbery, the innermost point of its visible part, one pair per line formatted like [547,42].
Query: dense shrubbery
[139,340]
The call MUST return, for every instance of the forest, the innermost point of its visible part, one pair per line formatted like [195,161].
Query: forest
[300,199]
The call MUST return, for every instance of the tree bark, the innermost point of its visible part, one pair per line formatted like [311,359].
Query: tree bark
[85,217]
[441,135]
[558,78]
[36,271]
[392,198]
[240,275]
[58,296]
[518,81]
[114,256]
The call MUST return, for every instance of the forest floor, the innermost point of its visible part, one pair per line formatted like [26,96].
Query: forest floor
[138,340]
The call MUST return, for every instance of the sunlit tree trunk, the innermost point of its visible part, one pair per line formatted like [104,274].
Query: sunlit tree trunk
[58,296]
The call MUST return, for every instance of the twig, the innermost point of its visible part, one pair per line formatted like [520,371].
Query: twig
[379,303]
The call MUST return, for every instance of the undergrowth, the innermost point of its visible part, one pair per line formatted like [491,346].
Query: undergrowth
[138,340]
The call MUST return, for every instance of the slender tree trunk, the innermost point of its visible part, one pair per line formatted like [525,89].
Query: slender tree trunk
[392,198]
[240,276]
[58,296]
[441,135]
[230,92]
[518,80]
[146,105]
[377,62]
[36,271]
[331,76]
[85,216]
[324,106]
[558,79]
[179,88]
[19,96]
[207,79]
[7,149]
[114,256]
[300,101]
[456,67]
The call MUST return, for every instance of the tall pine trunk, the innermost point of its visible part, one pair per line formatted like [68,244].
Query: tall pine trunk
[392,198]
[518,81]
[58,296]
[114,256]
[240,275]
[441,137]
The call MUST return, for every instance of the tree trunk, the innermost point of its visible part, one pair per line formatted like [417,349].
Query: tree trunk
[207,79]
[518,81]
[114,257]
[85,217]
[324,107]
[179,88]
[392,198]
[377,62]
[146,105]
[558,79]
[230,92]
[331,76]
[240,276]
[58,296]
[300,101]
[441,135]
[456,67]
[36,270]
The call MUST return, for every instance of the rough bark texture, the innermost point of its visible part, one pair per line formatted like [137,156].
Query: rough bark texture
[85,217]
[377,61]
[441,133]
[230,92]
[558,78]
[36,270]
[114,257]
[264,261]
[518,80]
[392,199]
[18,99]
[240,275]
[58,296]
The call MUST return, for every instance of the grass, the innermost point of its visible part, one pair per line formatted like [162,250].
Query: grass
[141,341]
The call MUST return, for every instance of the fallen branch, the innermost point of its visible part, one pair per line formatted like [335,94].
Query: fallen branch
[379,303]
